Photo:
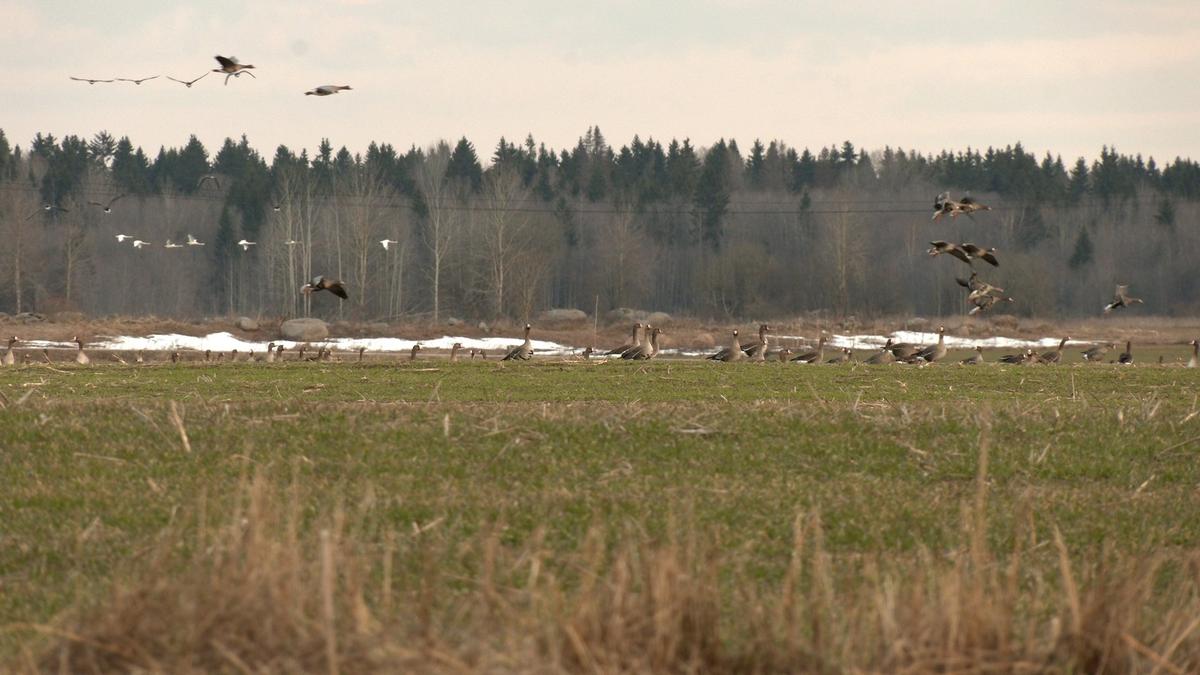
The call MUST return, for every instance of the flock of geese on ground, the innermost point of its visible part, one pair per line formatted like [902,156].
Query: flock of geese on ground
[643,345]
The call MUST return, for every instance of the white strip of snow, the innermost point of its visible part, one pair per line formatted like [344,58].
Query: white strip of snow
[225,342]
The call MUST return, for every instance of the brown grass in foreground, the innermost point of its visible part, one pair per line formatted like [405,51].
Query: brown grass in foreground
[264,592]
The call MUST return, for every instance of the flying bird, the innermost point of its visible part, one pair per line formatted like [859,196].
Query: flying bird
[944,206]
[192,241]
[106,206]
[122,237]
[137,81]
[49,208]
[940,247]
[275,207]
[207,177]
[327,90]
[290,242]
[320,283]
[138,243]
[231,67]
[1121,300]
[88,80]
[188,83]
[987,255]
[171,244]
[385,243]
[247,244]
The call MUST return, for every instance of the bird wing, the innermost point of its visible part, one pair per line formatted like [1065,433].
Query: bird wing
[966,201]
[114,199]
[338,289]
[939,245]
[226,62]
[92,203]
[962,282]
[990,259]
[959,253]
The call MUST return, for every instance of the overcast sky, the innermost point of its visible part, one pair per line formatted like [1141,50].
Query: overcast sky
[1061,76]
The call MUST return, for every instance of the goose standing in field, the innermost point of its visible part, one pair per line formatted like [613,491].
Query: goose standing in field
[1054,355]
[988,255]
[385,243]
[174,357]
[9,359]
[270,355]
[903,351]
[247,244]
[934,352]
[207,355]
[974,359]
[320,283]
[192,241]
[412,354]
[1120,299]
[1097,353]
[633,342]
[231,67]
[327,90]
[80,357]
[1126,356]
[758,350]
[812,356]
[360,353]
[842,357]
[883,356]
[454,349]
[587,353]
[189,83]
[731,353]
[646,350]
[106,207]
[784,354]
[139,358]
[1026,356]
[46,355]
[1192,362]
[947,248]
[523,351]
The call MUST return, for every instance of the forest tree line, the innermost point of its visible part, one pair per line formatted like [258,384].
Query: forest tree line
[718,231]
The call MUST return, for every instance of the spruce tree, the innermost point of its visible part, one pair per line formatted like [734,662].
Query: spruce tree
[1082,255]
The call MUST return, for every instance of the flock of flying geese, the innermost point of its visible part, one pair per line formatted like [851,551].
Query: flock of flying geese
[229,66]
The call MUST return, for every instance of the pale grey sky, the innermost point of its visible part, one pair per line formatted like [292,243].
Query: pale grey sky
[1064,76]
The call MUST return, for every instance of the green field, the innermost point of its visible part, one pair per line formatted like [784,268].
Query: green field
[474,463]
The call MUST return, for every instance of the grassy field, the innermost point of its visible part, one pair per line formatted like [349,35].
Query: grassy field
[788,517]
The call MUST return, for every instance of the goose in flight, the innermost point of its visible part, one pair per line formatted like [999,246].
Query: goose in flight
[87,79]
[1120,299]
[122,237]
[385,243]
[138,243]
[327,90]
[192,241]
[290,242]
[944,206]
[276,207]
[106,206]
[320,283]
[49,208]
[207,177]
[231,67]
[940,247]
[171,244]
[137,80]
[188,83]
[247,244]
[988,255]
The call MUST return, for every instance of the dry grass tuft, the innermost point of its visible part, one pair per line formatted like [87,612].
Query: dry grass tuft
[277,590]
